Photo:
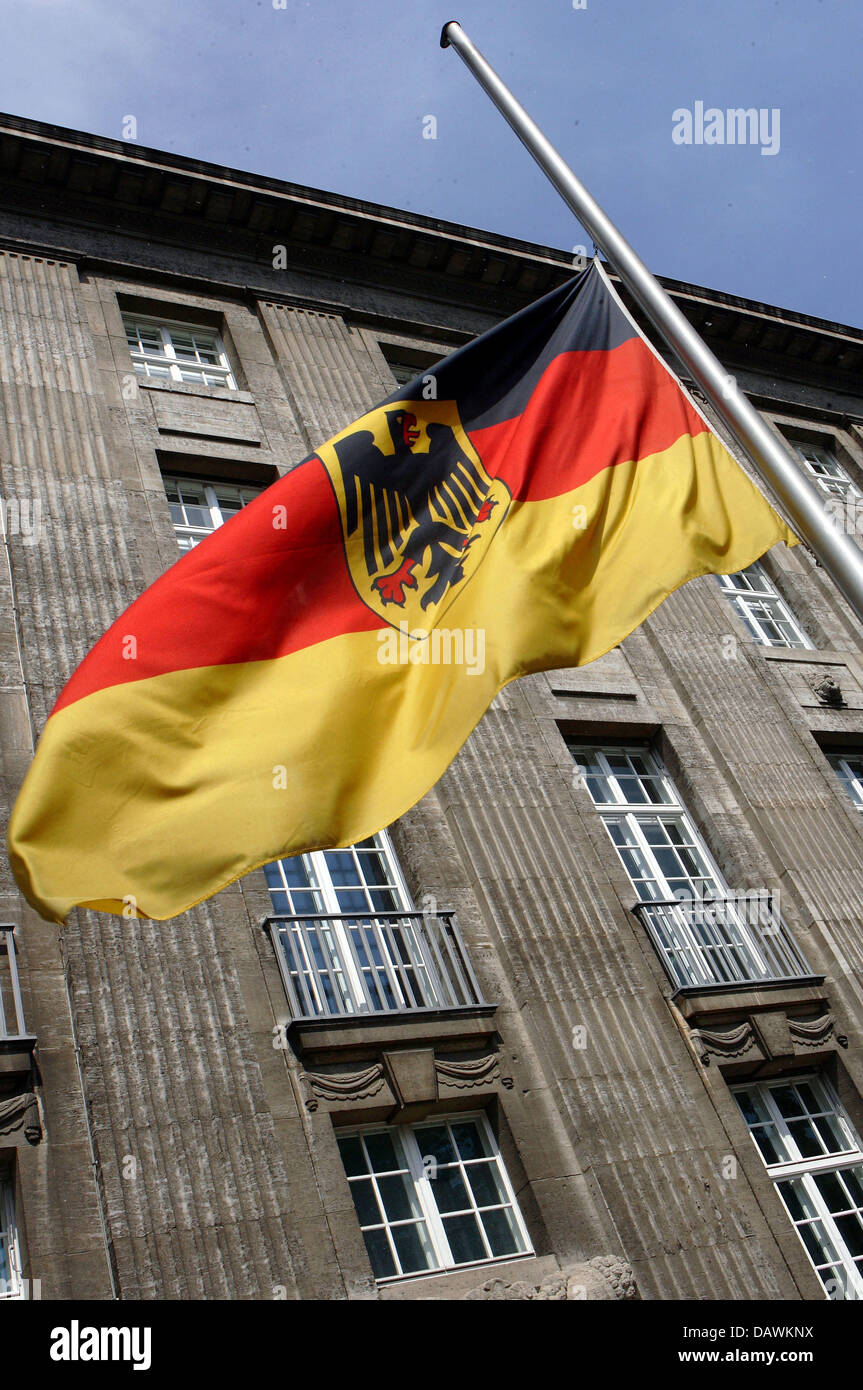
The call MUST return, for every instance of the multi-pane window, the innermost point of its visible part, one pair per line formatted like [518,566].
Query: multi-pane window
[658,845]
[11,1284]
[849,769]
[432,1196]
[176,352]
[404,365]
[705,935]
[403,372]
[341,955]
[764,612]
[814,1157]
[364,878]
[197,508]
[348,939]
[825,469]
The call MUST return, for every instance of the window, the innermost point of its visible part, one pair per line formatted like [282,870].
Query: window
[176,352]
[343,958]
[364,878]
[432,1196]
[352,942]
[766,615]
[197,508]
[405,363]
[705,935]
[814,1157]
[11,1284]
[849,769]
[657,843]
[403,372]
[822,465]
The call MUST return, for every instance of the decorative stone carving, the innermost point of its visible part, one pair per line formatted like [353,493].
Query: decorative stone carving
[466,1074]
[18,1111]
[605,1277]
[726,1042]
[411,1074]
[828,692]
[345,1086]
[811,1031]
[774,1033]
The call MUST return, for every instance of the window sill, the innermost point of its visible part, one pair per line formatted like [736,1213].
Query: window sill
[357,1036]
[188,388]
[698,1001]
[805,654]
[16,1056]
[455,1283]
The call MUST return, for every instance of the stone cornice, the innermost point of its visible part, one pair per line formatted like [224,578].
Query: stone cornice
[145,205]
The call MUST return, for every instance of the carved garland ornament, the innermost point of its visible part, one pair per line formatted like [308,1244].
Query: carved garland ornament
[465,1074]
[730,1043]
[21,1110]
[604,1277]
[811,1031]
[359,1085]
[346,1086]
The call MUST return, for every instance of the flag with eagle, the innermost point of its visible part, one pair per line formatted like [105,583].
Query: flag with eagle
[282,688]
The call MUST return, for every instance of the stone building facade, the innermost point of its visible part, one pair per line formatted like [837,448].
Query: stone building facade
[528,1081]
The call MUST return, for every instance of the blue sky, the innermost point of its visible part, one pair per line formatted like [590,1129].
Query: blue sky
[332,93]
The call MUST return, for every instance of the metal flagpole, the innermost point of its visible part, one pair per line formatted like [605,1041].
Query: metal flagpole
[774,463]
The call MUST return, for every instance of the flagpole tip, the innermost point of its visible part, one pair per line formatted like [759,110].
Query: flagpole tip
[444,40]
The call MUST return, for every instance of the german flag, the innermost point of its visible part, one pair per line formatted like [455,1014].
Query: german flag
[307,673]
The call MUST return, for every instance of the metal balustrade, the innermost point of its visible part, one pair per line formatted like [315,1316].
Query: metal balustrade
[738,939]
[11,1008]
[339,965]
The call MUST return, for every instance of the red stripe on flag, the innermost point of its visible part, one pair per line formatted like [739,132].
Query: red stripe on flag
[250,592]
[590,410]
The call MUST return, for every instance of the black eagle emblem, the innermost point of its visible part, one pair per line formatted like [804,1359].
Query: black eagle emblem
[417,512]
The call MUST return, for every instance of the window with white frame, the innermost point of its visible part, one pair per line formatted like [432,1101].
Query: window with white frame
[849,769]
[11,1283]
[340,959]
[765,613]
[814,1157]
[657,843]
[199,507]
[827,472]
[363,878]
[704,935]
[177,352]
[432,1196]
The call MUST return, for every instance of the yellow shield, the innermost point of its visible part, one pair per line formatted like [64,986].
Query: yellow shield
[417,507]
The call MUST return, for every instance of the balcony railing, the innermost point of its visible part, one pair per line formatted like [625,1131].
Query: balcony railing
[11,1009]
[739,939]
[390,962]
